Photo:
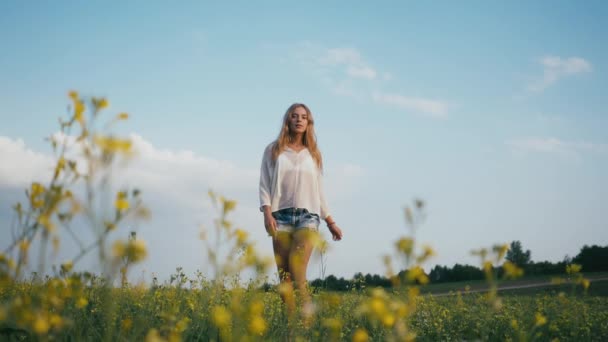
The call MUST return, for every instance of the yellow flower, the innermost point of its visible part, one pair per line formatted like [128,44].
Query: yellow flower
[514,324]
[256,308]
[540,319]
[121,202]
[41,325]
[45,221]
[111,145]
[360,335]
[153,336]
[257,326]
[511,270]
[501,250]
[220,316]
[102,103]
[388,320]
[377,307]
[73,95]
[24,245]
[241,236]
[123,116]
[119,249]
[67,266]
[405,245]
[573,268]
[81,302]
[56,321]
[137,250]
[229,205]
[79,109]
[417,274]
[126,324]
[585,283]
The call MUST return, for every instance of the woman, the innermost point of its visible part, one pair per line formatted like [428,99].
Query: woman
[293,203]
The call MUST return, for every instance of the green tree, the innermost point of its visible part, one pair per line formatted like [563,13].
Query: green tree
[517,255]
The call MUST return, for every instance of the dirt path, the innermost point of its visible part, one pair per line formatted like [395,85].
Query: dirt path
[508,287]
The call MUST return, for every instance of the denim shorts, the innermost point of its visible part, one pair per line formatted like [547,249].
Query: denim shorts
[292,219]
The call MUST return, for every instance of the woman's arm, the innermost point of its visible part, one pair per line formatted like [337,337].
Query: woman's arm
[265,178]
[335,231]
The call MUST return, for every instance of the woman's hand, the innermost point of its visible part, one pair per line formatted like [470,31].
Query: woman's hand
[335,231]
[270,223]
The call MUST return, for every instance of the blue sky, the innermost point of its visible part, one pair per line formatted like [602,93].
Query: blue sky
[494,113]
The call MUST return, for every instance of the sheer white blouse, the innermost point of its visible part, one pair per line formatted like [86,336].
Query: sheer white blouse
[293,181]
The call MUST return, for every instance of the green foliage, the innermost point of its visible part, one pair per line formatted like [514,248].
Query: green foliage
[517,256]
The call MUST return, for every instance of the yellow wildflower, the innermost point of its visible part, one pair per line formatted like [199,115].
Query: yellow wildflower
[540,319]
[256,308]
[573,268]
[220,316]
[41,325]
[81,302]
[511,270]
[360,335]
[388,320]
[123,116]
[258,326]
[126,324]
[405,245]
[24,245]
[67,266]
[377,307]
[153,336]
[241,236]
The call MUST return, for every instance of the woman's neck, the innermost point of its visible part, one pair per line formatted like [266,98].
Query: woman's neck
[296,139]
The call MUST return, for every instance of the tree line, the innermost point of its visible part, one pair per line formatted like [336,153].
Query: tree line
[592,259]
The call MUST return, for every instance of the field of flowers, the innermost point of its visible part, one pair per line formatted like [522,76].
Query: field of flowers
[77,310]
[82,306]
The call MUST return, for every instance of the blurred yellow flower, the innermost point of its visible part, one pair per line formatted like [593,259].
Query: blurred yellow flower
[585,283]
[241,236]
[154,336]
[256,308]
[126,324]
[360,335]
[123,116]
[81,302]
[388,320]
[41,325]
[573,268]
[512,271]
[405,245]
[220,316]
[258,326]
[24,245]
[539,319]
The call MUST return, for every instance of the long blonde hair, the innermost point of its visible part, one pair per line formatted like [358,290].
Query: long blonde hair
[309,139]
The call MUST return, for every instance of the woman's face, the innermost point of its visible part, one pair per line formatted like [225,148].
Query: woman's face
[298,121]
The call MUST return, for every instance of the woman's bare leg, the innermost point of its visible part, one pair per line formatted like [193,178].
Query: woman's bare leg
[281,244]
[301,249]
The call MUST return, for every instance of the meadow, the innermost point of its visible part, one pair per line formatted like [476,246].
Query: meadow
[84,306]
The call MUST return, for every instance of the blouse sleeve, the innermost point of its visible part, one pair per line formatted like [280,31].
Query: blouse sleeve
[265,177]
[324,210]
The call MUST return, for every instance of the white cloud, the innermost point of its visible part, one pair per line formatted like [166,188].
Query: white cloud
[554,145]
[351,60]
[20,164]
[432,108]
[361,71]
[555,68]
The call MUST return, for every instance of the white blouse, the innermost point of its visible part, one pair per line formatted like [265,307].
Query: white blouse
[293,181]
